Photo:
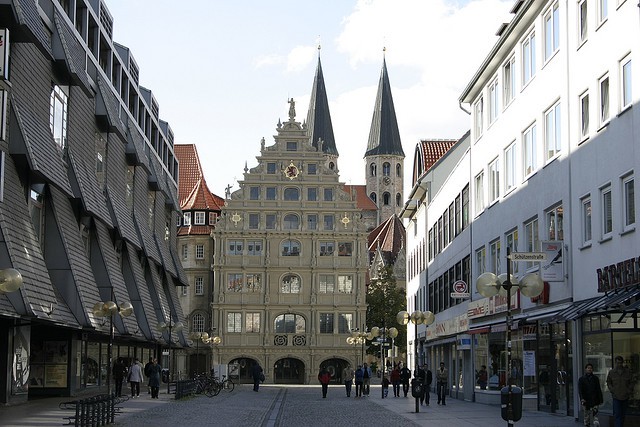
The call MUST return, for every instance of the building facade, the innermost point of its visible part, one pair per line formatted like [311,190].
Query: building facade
[88,200]
[551,170]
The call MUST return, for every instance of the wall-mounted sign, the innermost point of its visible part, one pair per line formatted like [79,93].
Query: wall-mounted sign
[552,268]
[620,275]
[460,290]
[4,53]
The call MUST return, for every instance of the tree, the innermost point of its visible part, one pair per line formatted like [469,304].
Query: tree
[384,301]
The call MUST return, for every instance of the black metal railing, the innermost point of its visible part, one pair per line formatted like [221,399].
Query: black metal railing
[93,411]
[183,388]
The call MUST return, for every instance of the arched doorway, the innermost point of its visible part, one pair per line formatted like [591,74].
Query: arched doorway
[245,368]
[335,368]
[288,371]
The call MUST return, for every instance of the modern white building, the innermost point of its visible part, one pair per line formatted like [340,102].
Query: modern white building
[551,168]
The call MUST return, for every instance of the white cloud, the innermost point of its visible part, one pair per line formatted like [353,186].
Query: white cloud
[300,57]
[268,60]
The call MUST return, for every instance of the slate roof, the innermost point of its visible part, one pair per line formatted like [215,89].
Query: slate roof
[384,135]
[319,117]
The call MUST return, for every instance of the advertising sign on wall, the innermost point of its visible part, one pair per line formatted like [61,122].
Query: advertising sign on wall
[4,53]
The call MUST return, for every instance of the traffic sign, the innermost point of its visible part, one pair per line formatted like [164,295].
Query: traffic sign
[460,294]
[528,256]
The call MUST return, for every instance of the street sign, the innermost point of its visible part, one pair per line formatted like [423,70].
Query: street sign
[460,289]
[460,294]
[528,256]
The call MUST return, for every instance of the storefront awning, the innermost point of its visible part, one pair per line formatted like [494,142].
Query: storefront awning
[627,300]
[544,314]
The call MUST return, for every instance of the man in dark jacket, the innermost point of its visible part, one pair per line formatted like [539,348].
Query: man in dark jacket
[590,394]
[119,372]
[405,376]
[147,373]
[257,374]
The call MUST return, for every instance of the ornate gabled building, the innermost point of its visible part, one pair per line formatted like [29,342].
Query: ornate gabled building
[291,247]
[88,199]
[200,211]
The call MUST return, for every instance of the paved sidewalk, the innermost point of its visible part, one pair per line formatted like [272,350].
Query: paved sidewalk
[278,405]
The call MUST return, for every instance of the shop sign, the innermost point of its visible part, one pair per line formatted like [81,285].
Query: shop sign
[617,276]
[552,269]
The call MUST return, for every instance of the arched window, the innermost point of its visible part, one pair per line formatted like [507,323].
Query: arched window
[398,170]
[372,169]
[289,324]
[197,323]
[373,197]
[331,165]
[398,199]
[386,198]
[290,248]
[291,222]
[290,284]
[386,169]
[291,194]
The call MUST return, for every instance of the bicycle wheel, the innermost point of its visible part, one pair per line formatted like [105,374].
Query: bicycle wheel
[228,385]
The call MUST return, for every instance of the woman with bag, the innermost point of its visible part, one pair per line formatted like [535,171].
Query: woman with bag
[135,378]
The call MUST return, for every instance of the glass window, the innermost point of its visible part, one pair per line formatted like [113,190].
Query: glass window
[607,218]
[555,223]
[386,169]
[345,284]
[289,324]
[254,221]
[398,170]
[235,247]
[197,322]
[478,117]
[199,218]
[234,322]
[584,115]
[199,251]
[511,240]
[481,261]
[386,198]
[312,169]
[626,95]
[252,322]
[479,183]
[327,283]
[291,284]
[629,205]
[603,10]
[291,222]
[531,236]
[465,207]
[494,251]
[254,193]
[292,146]
[509,79]
[271,168]
[312,222]
[58,111]
[372,169]
[254,247]
[235,282]
[326,248]
[312,194]
[270,221]
[494,103]
[186,218]
[552,129]
[254,282]
[271,193]
[586,220]
[551,31]
[328,194]
[373,197]
[494,181]
[290,248]
[328,222]
[583,25]
[291,194]
[510,162]
[530,150]
[345,248]
[528,58]
[213,217]
[199,285]
[326,323]
[185,252]
[604,100]
[345,323]
[398,199]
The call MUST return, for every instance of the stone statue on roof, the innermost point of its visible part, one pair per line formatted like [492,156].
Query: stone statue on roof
[292,109]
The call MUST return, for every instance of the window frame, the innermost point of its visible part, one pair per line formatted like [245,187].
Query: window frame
[494,101]
[583,21]
[509,81]
[583,102]
[199,218]
[254,247]
[528,46]
[199,251]
[628,202]
[586,217]
[552,132]
[234,322]
[479,193]
[551,26]
[532,237]
[606,211]
[291,287]
[493,169]
[626,82]
[252,322]
[510,167]
[198,285]
[344,284]
[555,223]
[186,218]
[604,100]
[59,114]
[478,117]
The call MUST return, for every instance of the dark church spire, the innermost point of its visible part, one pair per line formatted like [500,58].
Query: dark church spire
[384,136]
[319,118]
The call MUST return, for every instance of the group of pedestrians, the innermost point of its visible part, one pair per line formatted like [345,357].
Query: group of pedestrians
[135,376]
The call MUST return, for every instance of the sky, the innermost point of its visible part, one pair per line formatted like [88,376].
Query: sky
[223,70]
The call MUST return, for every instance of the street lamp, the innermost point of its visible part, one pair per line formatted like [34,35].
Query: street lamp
[489,285]
[358,338]
[10,280]
[384,331]
[417,318]
[109,309]
[169,326]
[198,337]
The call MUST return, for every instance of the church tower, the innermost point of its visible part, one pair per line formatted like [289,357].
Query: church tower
[384,158]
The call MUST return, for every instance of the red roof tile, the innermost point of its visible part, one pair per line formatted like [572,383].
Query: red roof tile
[194,230]
[193,191]
[432,150]
[389,236]
[363,200]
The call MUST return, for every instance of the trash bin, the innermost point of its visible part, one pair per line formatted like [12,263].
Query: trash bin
[416,388]
[516,403]
[165,375]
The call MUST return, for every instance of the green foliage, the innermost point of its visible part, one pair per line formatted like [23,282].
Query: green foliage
[384,301]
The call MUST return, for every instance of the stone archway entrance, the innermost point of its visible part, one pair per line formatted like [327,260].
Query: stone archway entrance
[245,367]
[335,367]
[288,371]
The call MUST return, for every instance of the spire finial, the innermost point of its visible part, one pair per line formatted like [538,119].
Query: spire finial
[319,45]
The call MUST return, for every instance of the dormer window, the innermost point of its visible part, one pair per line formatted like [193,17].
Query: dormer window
[199,218]
[186,218]
[292,146]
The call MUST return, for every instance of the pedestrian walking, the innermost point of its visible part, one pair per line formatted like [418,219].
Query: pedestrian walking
[359,379]
[119,371]
[155,371]
[405,377]
[324,377]
[590,394]
[395,381]
[366,380]
[442,378]
[258,376]
[147,366]
[385,386]
[135,378]
[426,388]
[347,374]
[621,388]
[482,377]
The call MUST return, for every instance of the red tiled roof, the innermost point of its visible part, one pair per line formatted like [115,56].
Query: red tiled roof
[193,191]
[190,230]
[432,150]
[389,236]
[363,200]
